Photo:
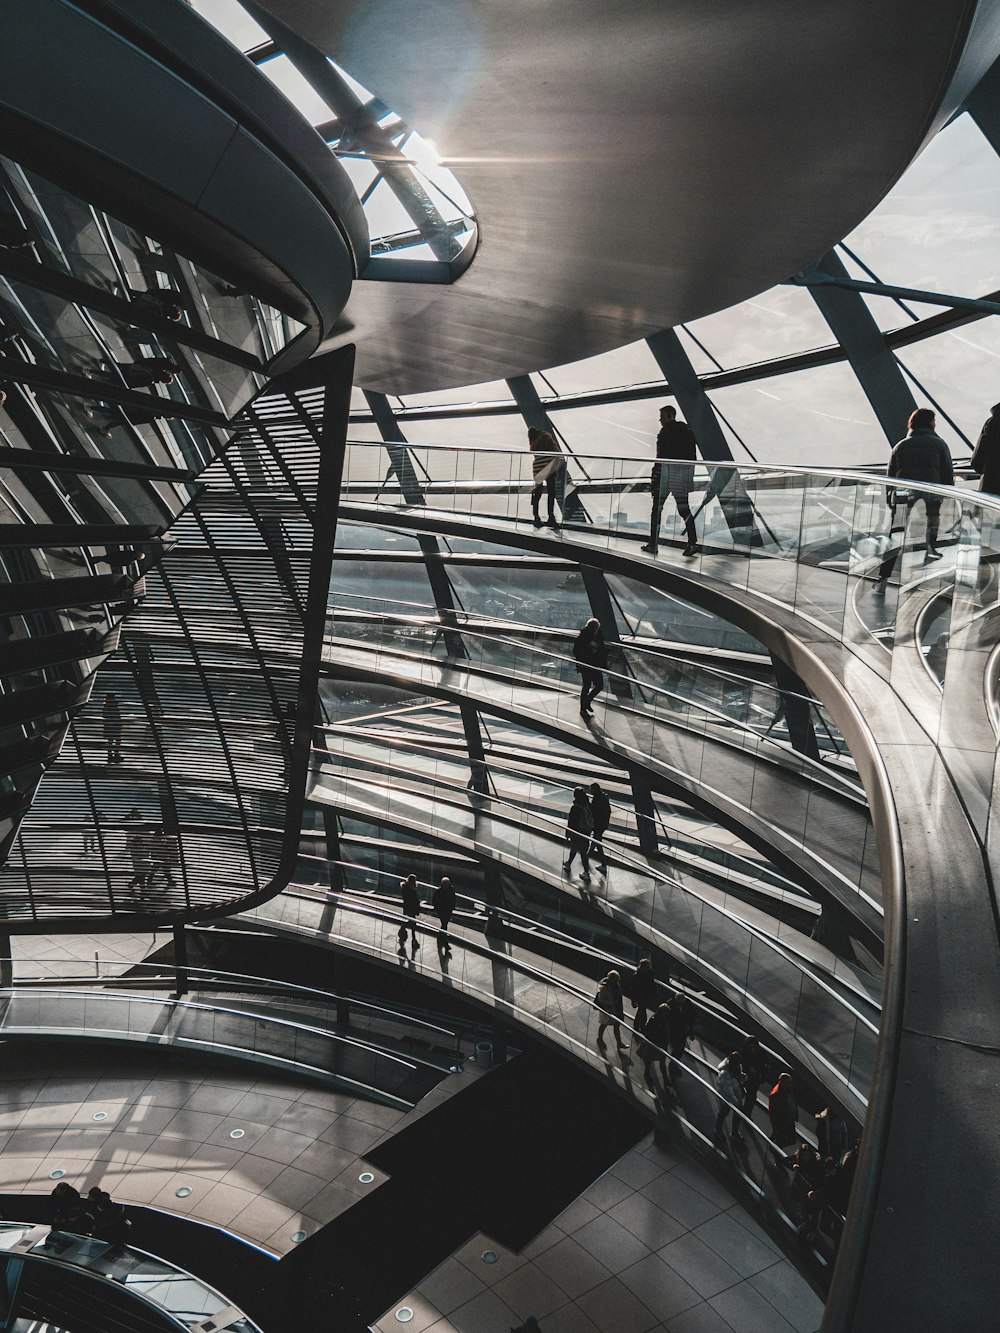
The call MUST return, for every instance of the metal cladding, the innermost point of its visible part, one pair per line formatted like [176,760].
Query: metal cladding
[127,346]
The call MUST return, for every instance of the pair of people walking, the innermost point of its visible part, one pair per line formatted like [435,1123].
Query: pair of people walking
[442,905]
[586,825]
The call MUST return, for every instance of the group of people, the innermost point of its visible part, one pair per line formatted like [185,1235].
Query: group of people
[661,1028]
[96,1215]
[442,905]
[672,475]
[151,851]
[923,456]
[822,1178]
[586,825]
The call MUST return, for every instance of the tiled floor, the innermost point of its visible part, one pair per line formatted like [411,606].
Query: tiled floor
[168,1125]
[37,956]
[654,1246]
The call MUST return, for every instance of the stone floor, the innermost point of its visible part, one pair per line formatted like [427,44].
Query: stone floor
[168,1125]
[654,1246]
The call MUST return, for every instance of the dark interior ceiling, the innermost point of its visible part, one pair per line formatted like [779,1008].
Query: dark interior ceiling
[636,164]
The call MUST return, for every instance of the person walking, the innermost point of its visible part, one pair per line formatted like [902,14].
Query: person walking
[443,903]
[546,472]
[111,714]
[609,1002]
[90,834]
[600,808]
[729,1080]
[681,1024]
[675,441]
[410,895]
[579,827]
[783,1111]
[656,1042]
[642,991]
[921,455]
[591,655]
[986,455]
[752,1062]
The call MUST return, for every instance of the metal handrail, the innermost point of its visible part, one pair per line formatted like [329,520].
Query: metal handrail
[768,1146]
[844,786]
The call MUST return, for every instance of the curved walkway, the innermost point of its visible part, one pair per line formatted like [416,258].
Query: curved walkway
[793,571]
[818,834]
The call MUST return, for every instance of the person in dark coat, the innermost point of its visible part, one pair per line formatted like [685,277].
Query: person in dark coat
[729,1084]
[579,827]
[110,1223]
[642,991]
[681,1024]
[675,441]
[410,895]
[609,1002]
[545,473]
[752,1060]
[600,808]
[986,455]
[655,1043]
[443,903]
[591,655]
[783,1111]
[921,455]
[831,1134]
[69,1211]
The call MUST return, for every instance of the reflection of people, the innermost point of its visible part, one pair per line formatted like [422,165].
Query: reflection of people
[675,441]
[112,716]
[90,834]
[545,473]
[921,455]
[986,456]
[937,656]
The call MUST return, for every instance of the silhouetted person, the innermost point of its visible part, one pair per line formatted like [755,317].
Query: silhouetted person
[681,1024]
[410,895]
[579,827]
[921,455]
[591,655]
[158,302]
[642,991]
[111,714]
[783,1111]
[675,441]
[147,371]
[807,1177]
[656,1042]
[609,1002]
[729,1081]
[986,455]
[545,473]
[69,1212]
[831,1134]
[90,834]
[443,903]
[110,1222]
[752,1062]
[600,809]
